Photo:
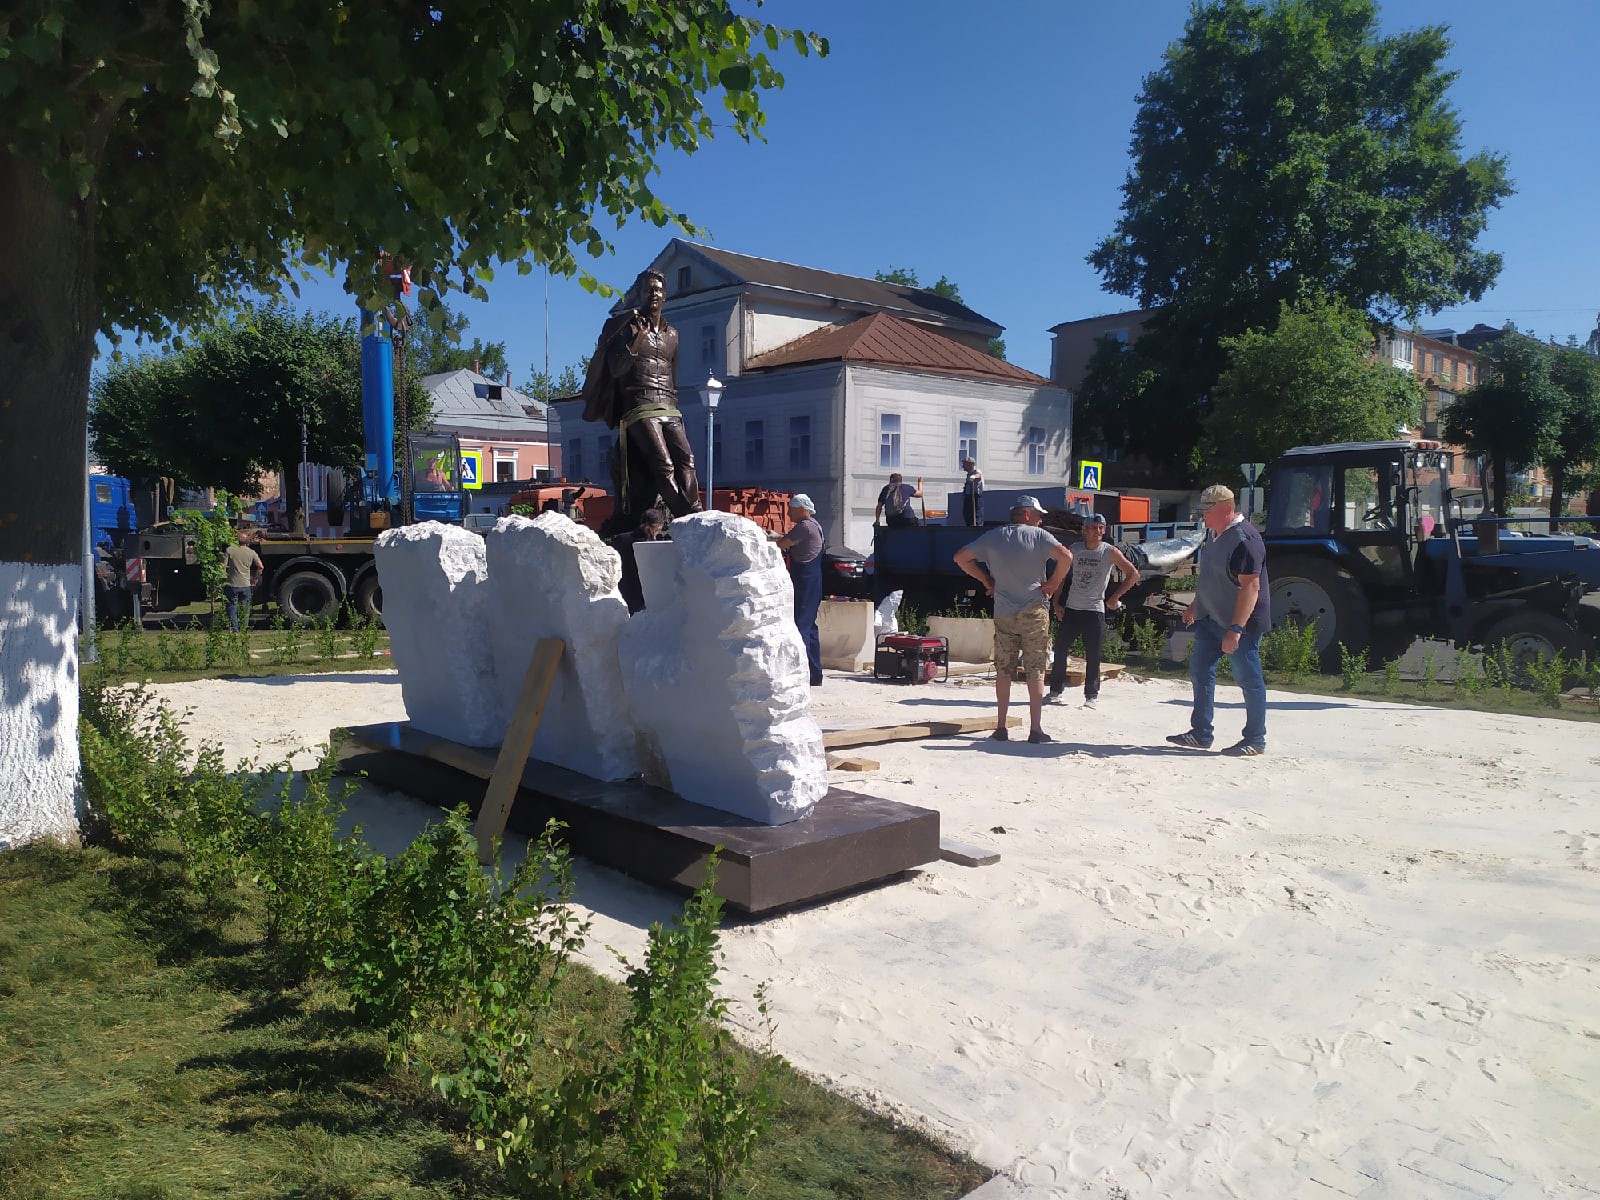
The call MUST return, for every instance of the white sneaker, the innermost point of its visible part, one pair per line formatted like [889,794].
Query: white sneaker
[1054,697]
[1091,702]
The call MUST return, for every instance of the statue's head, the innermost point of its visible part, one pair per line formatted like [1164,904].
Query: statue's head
[650,289]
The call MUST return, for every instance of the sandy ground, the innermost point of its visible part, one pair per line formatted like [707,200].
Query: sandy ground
[1366,965]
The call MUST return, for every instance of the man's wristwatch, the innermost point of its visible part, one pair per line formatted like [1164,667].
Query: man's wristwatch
[1235,628]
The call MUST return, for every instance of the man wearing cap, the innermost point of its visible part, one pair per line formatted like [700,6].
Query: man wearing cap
[1082,605]
[803,543]
[1011,562]
[1231,610]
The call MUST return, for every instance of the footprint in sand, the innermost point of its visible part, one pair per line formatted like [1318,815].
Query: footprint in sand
[1583,851]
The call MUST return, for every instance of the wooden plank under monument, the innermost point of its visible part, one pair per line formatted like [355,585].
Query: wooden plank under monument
[848,739]
[851,762]
[518,744]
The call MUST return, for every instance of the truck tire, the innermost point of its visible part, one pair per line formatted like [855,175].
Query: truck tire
[1307,590]
[307,598]
[1531,634]
[367,597]
[335,495]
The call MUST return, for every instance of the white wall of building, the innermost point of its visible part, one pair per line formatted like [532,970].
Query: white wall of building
[931,408]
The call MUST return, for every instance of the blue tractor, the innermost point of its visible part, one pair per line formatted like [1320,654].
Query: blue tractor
[1378,543]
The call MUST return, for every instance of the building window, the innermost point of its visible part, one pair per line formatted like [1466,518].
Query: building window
[708,345]
[683,279]
[968,443]
[1119,336]
[1035,450]
[574,463]
[800,442]
[505,470]
[888,439]
[755,445]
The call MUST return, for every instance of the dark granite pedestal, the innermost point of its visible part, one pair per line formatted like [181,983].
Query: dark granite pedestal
[848,840]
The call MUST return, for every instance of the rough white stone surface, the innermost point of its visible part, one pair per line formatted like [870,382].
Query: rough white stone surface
[38,702]
[436,606]
[551,577]
[717,674]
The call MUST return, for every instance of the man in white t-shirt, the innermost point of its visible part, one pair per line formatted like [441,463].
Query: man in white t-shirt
[1082,605]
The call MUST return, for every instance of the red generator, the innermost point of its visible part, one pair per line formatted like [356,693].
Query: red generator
[909,658]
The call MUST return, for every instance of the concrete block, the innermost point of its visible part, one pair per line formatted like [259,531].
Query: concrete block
[437,610]
[971,638]
[716,673]
[845,629]
[551,577]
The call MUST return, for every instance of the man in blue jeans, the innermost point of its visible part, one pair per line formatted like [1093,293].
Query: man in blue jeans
[1231,610]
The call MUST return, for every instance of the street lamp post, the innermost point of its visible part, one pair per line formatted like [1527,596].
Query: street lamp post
[711,393]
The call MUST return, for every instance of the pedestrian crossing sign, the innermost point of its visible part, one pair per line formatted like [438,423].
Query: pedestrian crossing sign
[1089,475]
[472,469]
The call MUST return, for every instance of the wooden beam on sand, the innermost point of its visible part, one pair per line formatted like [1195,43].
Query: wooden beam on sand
[848,739]
[518,744]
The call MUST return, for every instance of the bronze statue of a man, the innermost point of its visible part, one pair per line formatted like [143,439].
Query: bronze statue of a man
[632,387]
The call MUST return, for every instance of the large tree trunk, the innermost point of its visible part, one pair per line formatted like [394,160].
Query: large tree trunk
[1502,505]
[48,315]
[1558,495]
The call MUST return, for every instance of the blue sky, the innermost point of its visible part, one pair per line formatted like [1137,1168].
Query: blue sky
[991,151]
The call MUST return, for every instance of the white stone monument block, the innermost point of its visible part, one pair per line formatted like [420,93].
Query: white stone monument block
[717,674]
[436,608]
[551,577]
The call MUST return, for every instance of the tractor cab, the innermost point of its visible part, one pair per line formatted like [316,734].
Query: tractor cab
[1370,505]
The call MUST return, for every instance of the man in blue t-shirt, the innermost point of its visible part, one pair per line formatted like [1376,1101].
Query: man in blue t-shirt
[1011,562]
[1231,610]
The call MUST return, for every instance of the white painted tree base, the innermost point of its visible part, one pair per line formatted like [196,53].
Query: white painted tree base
[38,702]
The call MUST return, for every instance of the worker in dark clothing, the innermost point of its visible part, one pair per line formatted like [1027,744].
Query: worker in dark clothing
[804,545]
[651,522]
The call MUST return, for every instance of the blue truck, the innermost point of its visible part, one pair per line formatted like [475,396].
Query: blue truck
[316,580]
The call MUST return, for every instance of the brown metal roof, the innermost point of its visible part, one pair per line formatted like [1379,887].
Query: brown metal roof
[914,302]
[889,341]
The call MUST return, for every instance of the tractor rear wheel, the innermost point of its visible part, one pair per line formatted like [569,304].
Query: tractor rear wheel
[1307,591]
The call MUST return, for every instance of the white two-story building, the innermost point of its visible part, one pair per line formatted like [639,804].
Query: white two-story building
[832,382]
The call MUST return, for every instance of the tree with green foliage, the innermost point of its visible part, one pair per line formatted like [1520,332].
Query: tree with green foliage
[1311,378]
[944,286]
[228,404]
[436,343]
[547,388]
[1285,151]
[1513,414]
[162,159]
[1572,458]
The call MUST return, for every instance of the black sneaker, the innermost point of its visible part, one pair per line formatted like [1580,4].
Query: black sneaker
[1038,736]
[1000,735]
[1189,740]
[1245,750]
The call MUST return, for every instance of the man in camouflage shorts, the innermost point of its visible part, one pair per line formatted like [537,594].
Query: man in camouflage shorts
[1011,562]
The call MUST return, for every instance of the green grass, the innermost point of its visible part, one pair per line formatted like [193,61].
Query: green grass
[151,1053]
[170,653]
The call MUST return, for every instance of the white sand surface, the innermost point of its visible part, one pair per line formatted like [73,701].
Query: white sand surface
[1365,965]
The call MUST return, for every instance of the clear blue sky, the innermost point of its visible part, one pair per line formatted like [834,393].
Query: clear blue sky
[991,150]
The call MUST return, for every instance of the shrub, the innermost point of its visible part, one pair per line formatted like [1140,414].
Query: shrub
[1291,649]
[134,770]
[1352,667]
[1546,676]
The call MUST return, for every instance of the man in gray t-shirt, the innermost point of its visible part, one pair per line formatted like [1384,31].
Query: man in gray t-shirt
[1011,562]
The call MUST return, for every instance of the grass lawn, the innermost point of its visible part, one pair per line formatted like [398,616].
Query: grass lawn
[150,1053]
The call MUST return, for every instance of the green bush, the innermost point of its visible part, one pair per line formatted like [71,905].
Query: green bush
[1547,677]
[312,878]
[1290,649]
[1352,667]
[134,765]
